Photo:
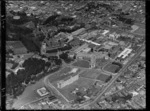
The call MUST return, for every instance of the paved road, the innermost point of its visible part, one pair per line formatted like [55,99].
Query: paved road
[120,72]
[51,86]
[108,86]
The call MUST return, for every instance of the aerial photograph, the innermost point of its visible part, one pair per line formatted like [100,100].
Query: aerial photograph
[75,55]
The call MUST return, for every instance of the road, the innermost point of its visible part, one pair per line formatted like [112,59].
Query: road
[43,81]
[51,86]
[120,72]
[107,87]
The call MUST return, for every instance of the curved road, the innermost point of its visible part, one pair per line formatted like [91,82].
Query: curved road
[107,87]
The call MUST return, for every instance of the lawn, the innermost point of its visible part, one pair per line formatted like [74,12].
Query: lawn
[113,68]
[103,77]
[65,70]
[90,74]
[82,63]
[100,62]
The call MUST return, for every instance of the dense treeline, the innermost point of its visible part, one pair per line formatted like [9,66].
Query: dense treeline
[35,69]
[15,84]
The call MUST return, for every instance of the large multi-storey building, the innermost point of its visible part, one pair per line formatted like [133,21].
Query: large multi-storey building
[67,81]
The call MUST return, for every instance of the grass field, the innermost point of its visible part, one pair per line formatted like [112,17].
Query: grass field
[65,70]
[93,74]
[112,68]
[103,77]
[100,62]
[66,91]
[82,63]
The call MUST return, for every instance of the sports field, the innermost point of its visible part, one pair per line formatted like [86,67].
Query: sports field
[103,77]
[113,68]
[82,63]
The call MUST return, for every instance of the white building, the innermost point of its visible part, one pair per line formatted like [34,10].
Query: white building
[42,91]
[67,81]
[89,41]
[125,53]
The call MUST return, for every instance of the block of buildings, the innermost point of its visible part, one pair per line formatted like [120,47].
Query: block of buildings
[89,41]
[125,53]
[79,49]
[87,50]
[67,81]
